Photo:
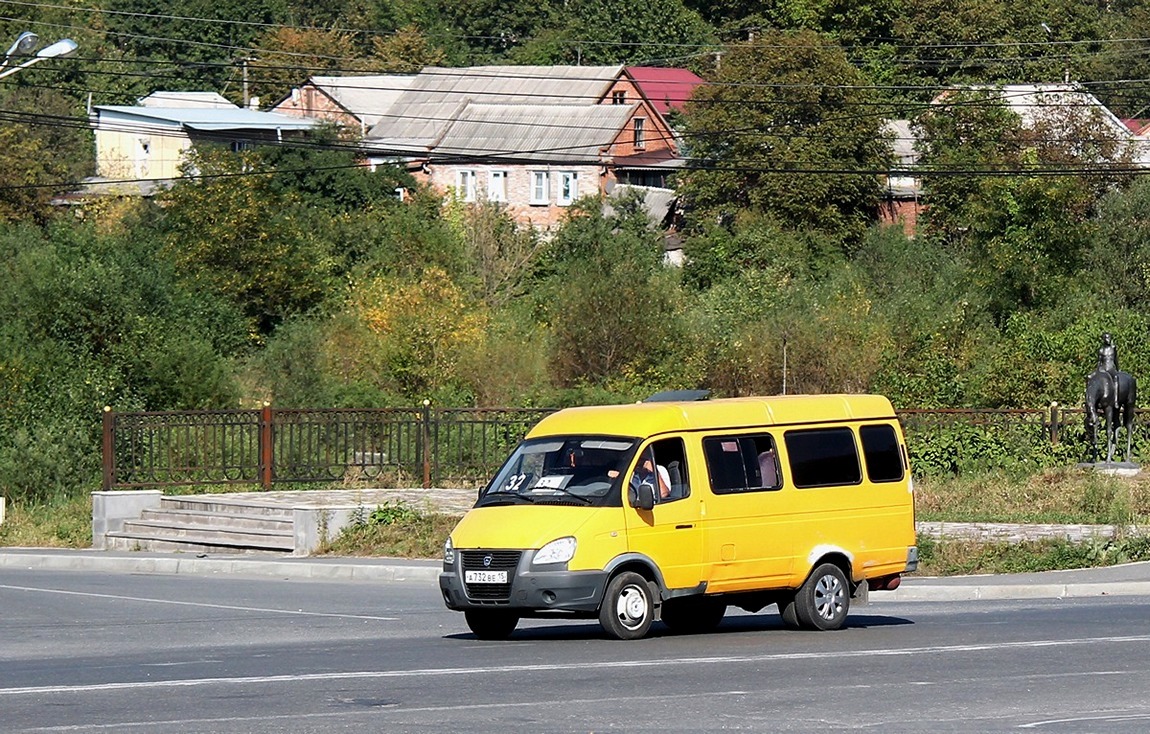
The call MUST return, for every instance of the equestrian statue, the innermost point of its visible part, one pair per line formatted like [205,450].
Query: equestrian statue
[1111,395]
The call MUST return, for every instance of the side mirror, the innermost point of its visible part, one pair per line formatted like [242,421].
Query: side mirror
[643,498]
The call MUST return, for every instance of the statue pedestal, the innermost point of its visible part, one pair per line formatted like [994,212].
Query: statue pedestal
[1113,468]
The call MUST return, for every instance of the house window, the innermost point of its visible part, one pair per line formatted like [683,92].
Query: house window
[639,142]
[619,97]
[497,185]
[239,146]
[465,185]
[568,187]
[540,187]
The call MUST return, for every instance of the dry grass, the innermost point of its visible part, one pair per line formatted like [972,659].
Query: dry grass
[1058,496]
[1062,496]
[62,524]
[416,536]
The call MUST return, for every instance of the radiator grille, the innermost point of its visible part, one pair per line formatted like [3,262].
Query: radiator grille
[500,561]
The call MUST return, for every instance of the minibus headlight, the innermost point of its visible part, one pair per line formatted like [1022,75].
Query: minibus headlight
[560,550]
[448,552]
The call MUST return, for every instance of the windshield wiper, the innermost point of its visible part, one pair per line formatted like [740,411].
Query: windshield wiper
[566,493]
[504,498]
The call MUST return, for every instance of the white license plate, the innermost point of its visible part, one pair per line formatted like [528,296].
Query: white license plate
[485,577]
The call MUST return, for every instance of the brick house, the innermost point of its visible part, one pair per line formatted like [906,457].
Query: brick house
[901,202]
[355,102]
[534,137]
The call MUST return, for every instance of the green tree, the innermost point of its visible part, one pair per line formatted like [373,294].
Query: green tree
[986,41]
[200,45]
[230,232]
[93,321]
[609,32]
[992,197]
[781,128]
[614,310]
[1118,260]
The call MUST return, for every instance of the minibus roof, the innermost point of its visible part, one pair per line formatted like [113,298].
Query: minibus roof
[640,420]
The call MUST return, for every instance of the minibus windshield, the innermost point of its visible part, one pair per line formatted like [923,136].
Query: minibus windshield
[569,470]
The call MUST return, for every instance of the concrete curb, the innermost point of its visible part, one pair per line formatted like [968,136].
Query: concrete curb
[910,592]
[427,572]
[178,564]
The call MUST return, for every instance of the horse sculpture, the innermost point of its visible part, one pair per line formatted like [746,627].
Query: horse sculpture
[1110,399]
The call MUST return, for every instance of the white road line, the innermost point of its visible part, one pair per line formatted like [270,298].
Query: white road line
[1109,718]
[547,667]
[371,711]
[263,610]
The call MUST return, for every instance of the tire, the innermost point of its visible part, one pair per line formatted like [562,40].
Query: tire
[627,610]
[824,599]
[693,616]
[489,624]
[788,613]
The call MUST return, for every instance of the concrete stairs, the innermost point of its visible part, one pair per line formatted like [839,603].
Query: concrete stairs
[202,524]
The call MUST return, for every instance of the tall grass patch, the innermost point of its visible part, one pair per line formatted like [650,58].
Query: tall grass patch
[394,529]
[61,523]
[1067,495]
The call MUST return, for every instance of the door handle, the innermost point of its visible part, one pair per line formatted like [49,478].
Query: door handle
[685,527]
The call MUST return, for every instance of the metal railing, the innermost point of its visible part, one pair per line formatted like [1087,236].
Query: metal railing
[399,446]
[395,446]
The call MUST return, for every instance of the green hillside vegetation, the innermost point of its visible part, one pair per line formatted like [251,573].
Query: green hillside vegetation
[294,276]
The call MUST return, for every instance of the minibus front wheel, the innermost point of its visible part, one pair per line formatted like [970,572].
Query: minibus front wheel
[821,603]
[628,608]
[491,624]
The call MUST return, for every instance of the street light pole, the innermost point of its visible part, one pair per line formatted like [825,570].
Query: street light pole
[25,42]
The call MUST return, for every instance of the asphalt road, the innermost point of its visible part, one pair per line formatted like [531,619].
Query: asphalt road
[98,651]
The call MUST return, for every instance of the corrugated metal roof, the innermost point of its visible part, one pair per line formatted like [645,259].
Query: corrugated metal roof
[436,95]
[199,118]
[902,142]
[186,99]
[367,97]
[550,85]
[666,88]
[656,202]
[534,132]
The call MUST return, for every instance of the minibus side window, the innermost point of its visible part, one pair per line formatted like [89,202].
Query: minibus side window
[741,463]
[823,457]
[881,453]
[671,463]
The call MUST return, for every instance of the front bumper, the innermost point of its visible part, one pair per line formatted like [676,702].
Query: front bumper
[532,590]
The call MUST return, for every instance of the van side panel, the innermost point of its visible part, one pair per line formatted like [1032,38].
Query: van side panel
[749,540]
[872,522]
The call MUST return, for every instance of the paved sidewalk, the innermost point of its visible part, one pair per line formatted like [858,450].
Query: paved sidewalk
[1125,580]
[1132,579]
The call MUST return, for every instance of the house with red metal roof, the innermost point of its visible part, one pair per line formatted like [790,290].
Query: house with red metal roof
[667,89]
[534,138]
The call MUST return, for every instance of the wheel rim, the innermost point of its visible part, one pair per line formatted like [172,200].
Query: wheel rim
[631,607]
[829,595]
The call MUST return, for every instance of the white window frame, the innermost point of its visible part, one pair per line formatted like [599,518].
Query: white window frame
[540,187]
[497,185]
[568,187]
[466,184]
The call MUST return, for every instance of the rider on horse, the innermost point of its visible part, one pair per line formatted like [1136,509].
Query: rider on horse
[1108,360]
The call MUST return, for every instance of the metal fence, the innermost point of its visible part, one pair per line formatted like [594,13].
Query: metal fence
[402,446]
[388,446]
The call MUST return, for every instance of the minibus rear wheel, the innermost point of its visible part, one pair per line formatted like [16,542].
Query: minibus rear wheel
[627,610]
[822,602]
[491,624]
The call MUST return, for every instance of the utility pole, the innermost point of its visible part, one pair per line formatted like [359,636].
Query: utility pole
[244,66]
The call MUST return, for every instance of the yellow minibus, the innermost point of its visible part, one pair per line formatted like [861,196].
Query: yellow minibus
[673,511]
